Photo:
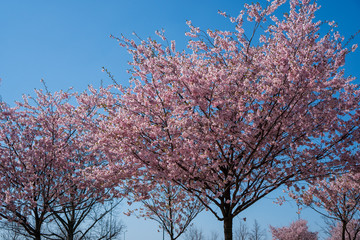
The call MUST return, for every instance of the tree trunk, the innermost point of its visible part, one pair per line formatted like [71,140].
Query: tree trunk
[37,235]
[71,232]
[343,232]
[37,231]
[70,236]
[228,224]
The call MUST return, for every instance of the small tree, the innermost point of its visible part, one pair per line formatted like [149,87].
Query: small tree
[353,230]
[257,233]
[297,230]
[194,233]
[171,207]
[337,198]
[242,232]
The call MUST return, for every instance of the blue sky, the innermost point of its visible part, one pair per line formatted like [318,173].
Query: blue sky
[66,43]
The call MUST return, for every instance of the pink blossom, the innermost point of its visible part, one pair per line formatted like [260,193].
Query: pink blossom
[231,119]
[297,230]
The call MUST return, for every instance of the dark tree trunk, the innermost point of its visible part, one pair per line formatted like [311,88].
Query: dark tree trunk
[37,231]
[228,224]
[343,232]
[70,236]
[71,231]
[37,234]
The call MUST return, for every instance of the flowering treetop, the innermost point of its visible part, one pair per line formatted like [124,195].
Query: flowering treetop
[234,118]
[44,150]
[297,230]
[338,198]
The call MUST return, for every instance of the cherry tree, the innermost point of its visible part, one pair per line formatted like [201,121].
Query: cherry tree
[171,207]
[43,154]
[337,198]
[232,118]
[297,230]
[353,231]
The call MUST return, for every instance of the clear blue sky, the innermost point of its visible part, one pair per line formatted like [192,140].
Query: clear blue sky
[67,42]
